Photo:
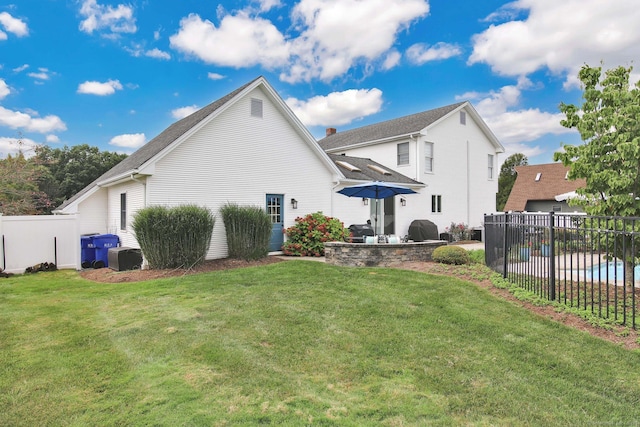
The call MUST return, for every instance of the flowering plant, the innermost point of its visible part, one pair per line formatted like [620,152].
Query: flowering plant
[459,231]
[308,235]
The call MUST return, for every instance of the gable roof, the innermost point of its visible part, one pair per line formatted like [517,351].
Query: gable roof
[402,126]
[368,170]
[551,183]
[176,132]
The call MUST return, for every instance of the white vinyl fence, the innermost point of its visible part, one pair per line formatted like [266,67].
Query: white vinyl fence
[30,240]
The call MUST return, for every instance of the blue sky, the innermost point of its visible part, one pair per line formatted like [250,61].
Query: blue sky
[114,74]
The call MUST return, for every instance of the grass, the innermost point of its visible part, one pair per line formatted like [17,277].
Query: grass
[298,343]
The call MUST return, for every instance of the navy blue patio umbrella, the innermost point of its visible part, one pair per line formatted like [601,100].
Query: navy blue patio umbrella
[375,190]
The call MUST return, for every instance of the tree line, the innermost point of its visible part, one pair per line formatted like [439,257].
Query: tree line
[38,184]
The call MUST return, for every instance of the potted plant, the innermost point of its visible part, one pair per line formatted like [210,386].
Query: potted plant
[525,251]
[544,248]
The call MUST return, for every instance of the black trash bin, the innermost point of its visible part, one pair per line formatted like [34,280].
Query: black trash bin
[124,259]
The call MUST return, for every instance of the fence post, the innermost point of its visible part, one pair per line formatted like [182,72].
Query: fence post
[505,238]
[552,257]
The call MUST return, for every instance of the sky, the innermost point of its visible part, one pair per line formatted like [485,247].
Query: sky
[116,73]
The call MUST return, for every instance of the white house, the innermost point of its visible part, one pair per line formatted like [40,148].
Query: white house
[246,148]
[450,150]
[249,148]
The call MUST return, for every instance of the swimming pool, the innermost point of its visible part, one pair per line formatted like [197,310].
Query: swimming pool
[610,270]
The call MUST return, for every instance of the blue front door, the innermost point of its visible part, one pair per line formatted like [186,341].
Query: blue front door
[274,209]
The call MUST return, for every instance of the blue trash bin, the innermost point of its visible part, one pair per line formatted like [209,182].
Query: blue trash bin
[103,243]
[87,251]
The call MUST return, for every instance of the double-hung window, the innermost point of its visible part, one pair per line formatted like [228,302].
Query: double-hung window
[123,211]
[428,157]
[436,203]
[403,153]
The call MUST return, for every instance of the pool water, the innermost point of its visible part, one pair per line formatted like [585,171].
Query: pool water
[610,270]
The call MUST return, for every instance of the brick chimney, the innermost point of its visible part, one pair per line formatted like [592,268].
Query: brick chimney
[331,131]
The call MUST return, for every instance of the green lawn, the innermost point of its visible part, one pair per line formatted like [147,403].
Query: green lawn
[298,343]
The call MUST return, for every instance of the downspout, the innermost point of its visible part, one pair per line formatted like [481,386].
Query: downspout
[417,157]
[144,187]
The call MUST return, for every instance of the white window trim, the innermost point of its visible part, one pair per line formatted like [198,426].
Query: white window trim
[433,148]
[404,144]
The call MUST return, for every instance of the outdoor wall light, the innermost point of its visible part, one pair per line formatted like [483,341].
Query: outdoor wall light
[365,201]
[403,202]
[294,203]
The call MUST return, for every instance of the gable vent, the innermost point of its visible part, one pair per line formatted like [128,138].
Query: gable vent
[256,107]
[348,166]
[379,169]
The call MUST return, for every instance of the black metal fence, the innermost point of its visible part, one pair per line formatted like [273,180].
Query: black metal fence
[581,261]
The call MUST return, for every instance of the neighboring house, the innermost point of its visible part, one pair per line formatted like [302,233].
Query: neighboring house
[246,148]
[450,150]
[543,188]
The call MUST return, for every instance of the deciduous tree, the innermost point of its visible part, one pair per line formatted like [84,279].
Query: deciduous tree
[508,177]
[609,158]
[72,168]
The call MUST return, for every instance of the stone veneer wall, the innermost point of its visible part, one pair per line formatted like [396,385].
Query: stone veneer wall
[378,254]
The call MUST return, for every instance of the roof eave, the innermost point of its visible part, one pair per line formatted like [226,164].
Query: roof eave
[373,142]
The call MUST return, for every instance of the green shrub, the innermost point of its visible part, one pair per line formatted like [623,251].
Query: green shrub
[477,256]
[176,237]
[308,235]
[451,255]
[248,231]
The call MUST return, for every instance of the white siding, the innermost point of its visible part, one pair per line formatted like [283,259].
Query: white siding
[94,213]
[135,201]
[238,158]
[459,174]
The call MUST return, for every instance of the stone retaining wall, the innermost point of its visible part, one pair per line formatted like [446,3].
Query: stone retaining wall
[378,254]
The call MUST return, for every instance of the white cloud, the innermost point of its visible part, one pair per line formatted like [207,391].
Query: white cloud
[215,76]
[117,19]
[13,25]
[338,34]
[560,36]
[512,126]
[158,54]
[42,74]
[20,120]
[180,113]
[14,145]
[21,68]
[97,88]
[392,59]
[337,108]
[267,5]
[327,37]
[134,140]
[52,139]
[4,89]
[421,53]
[239,41]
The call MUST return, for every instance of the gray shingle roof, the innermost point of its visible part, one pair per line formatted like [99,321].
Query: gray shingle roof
[365,173]
[390,128]
[159,143]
